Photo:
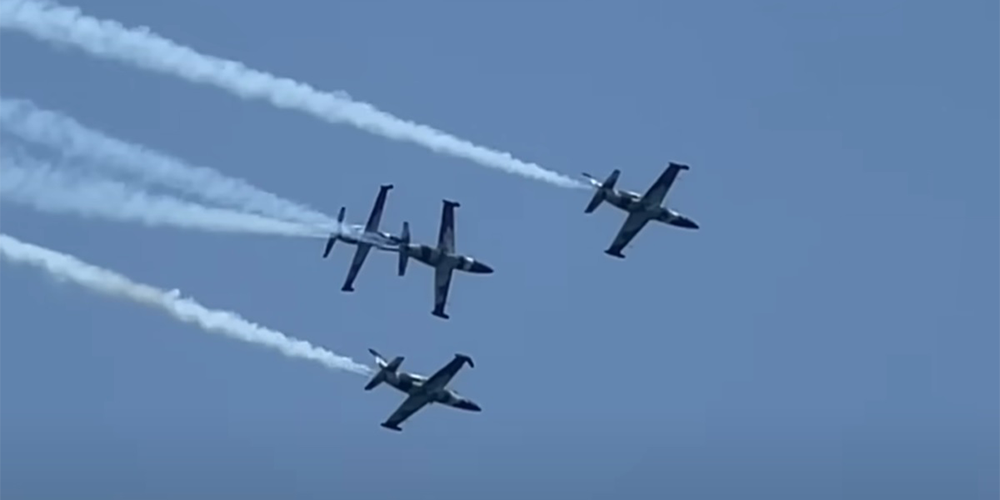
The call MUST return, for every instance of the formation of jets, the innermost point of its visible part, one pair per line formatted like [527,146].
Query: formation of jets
[445,260]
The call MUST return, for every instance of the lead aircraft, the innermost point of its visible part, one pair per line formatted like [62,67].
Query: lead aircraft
[364,239]
[420,390]
[442,258]
[640,208]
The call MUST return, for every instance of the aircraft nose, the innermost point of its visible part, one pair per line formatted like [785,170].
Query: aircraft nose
[469,405]
[686,223]
[480,268]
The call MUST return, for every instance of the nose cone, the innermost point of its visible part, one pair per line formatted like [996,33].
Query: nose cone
[685,223]
[480,268]
[467,405]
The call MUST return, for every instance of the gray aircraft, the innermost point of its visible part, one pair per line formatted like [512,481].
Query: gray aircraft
[442,258]
[641,208]
[420,390]
[364,238]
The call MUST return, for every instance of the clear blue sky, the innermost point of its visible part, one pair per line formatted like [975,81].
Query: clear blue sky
[830,332]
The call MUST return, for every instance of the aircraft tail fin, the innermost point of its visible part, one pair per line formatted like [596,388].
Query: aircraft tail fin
[603,188]
[333,236]
[404,251]
[384,369]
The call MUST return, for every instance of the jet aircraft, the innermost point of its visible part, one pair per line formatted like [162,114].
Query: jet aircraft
[442,258]
[640,208]
[364,239]
[420,390]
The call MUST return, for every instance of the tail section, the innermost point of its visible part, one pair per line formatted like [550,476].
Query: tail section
[333,236]
[404,251]
[603,188]
[384,369]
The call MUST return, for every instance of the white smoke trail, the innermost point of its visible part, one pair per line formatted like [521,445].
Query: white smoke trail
[36,184]
[143,48]
[182,309]
[58,131]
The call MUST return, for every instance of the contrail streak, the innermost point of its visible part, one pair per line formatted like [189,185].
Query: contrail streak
[37,185]
[143,48]
[182,309]
[73,139]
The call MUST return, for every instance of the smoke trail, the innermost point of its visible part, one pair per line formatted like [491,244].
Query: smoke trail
[58,131]
[36,184]
[182,309]
[143,48]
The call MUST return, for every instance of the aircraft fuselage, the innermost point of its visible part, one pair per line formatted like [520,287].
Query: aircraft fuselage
[436,258]
[631,203]
[379,239]
[408,383]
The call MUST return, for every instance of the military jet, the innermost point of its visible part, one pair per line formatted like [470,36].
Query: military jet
[419,389]
[442,258]
[364,238]
[641,208]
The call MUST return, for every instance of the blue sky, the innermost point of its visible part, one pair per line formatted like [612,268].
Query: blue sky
[830,332]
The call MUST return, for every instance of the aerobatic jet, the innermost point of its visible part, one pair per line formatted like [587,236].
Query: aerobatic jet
[363,238]
[443,258]
[420,390]
[640,208]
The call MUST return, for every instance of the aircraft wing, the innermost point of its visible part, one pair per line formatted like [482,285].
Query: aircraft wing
[655,194]
[633,224]
[442,284]
[412,404]
[446,233]
[441,378]
[375,218]
[359,259]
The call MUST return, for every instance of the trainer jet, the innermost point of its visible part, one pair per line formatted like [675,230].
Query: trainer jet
[442,258]
[641,208]
[364,238]
[419,389]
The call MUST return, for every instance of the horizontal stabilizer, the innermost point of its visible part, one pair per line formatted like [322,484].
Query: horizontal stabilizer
[384,369]
[404,248]
[394,364]
[595,201]
[329,244]
[603,188]
[333,236]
